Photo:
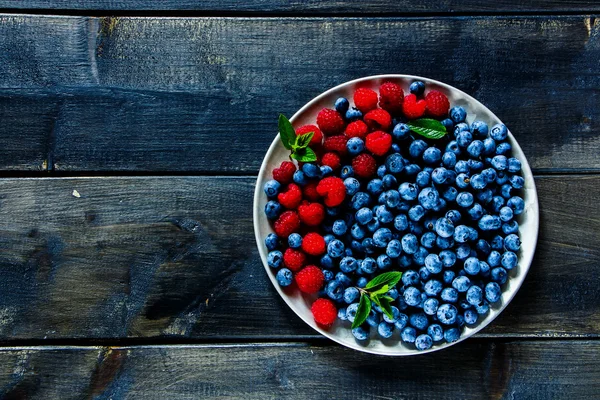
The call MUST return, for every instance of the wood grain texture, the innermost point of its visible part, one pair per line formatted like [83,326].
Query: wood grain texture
[203,94]
[473,370]
[300,7]
[176,257]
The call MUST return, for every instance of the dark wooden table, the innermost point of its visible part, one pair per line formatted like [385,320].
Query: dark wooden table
[131,133]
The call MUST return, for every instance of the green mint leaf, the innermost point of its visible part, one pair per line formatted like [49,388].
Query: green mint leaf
[387,278]
[304,155]
[303,141]
[388,298]
[385,305]
[427,127]
[364,308]
[286,132]
[383,290]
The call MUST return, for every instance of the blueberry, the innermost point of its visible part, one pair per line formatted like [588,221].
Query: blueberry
[472,266]
[463,251]
[479,129]
[351,295]
[362,282]
[416,213]
[375,186]
[440,176]
[373,225]
[512,242]
[311,170]
[517,182]
[401,320]
[357,232]
[423,178]
[461,234]
[342,314]
[517,204]
[342,105]
[432,155]
[382,236]
[501,178]
[419,321]
[499,132]
[383,214]
[430,306]
[374,318]
[475,148]
[483,247]
[489,223]
[450,194]
[506,190]
[272,241]
[284,277]
[351,311]
[489,146]
[482,308]
[509,260]
[458,114]
[272,188]
[353,113]
[428,198]
[295,241]
[448,258]
[461,284]
[400,132]
[436,332]
[470,317]
[275,259]
[449,159]
[428,240]
[424,274]
[412,296]
[355,146]
[417,148]
[410,278]
[432,287]
[412,169]
[401,223]
[510,227]
[444,227]
[340,227]
[335,248]
[346,172]
[408,335]
[497,203]
[478,182]
[395,315]
[461,167]
[464,199]
[364,216]
[446,314]
[474,295]
[420,255]
[451,335]
[272,209]
[389,181]
[499,162]
[348,264]
[476,212]
[463,138]
[360,200]
[394,248]
[444,243]
[433,263]
[417,88]
[492,292]
[326,170]
[326,261]
[360,333]
[514,165]
[385,330]
[352,186]
[343,279]
[461,127]
[489,174]
[449,294]
[408,191]
[452,146]
[368,265]
[383,262]
[410,243]
[499,275]
[327,275]
[497,242]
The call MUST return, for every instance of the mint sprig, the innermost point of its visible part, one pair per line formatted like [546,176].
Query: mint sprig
[376,291]
[427,127]
[297,144]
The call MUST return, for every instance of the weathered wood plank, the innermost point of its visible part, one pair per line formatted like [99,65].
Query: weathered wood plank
[176,256]
[473,370]
[311,6]
[203,94]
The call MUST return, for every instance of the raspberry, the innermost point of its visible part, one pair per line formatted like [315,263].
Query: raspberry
[437,104]
[336,143]
[365,99]
[330,122]
[313,244]
[364,165]
[311,214]
[357,129]
[317,137]
[310,279]
[294,259]
[291,198]
[391,97]
[332,160]
[285,173]
[378,142]
[324,312]
[310,191]
[412,108]
[286,224]
[378,119]
[333,190]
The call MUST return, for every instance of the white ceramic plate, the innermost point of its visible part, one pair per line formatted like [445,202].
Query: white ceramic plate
[340,332]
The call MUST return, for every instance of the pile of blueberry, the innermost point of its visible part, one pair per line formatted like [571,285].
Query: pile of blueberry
[444,212]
